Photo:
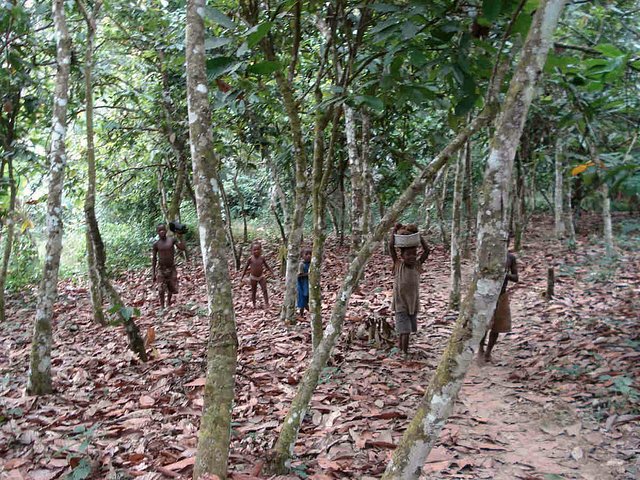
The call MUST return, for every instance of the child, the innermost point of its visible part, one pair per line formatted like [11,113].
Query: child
[406,284]
[256,265]
[164,255]
[501,321]
[303,281]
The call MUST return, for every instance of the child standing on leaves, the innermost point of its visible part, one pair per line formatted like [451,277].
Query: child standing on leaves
[303,281]
[406,284]
[166,274]
[256,265]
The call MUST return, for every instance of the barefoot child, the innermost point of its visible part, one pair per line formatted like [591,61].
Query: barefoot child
[406,284]
[303,281]
[256,265]
[166,274]
[501,321]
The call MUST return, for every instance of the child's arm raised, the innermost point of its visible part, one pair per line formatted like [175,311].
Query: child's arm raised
[392,243]
[425,250]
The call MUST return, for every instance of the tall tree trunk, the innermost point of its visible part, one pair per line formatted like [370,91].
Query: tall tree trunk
[357,183]
[467,195]
[454,293]
[606,219]
[558,195]
[520,204]
[367,179]
[479,303]
[440,204]
[9,234]
[215,425]
[92,230]
[568,212]
[291,424]
[39,377]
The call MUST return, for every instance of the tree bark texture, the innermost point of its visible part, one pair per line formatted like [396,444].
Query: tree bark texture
[480,300]
[215,425]
[606,219]
[558,195]
[39,377]
[456,224]
[440,204]
[467,195]
[357,180]
[367,178]
[568,212]
[92,231]
[291,424]
[10,223]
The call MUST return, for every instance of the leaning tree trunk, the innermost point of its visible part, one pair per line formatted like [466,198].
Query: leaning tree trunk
[481,298]
[222,349]
[39,377]
[454,293]
[92,230]
[558,195]
[291,424]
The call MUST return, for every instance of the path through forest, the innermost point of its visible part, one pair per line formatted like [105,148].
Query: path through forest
[560,401]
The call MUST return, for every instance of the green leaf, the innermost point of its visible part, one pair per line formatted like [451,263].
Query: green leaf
[465,105]
[384,7]
[219,17]
[373,102]
[216,66]
[257,33]
[409,30]
[491,9]
[216,42]
[264,68]
[609,50]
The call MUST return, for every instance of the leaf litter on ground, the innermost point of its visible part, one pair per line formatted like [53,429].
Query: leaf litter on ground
[560,401]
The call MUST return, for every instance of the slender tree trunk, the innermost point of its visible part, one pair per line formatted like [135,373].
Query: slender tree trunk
[431,199]
[558,195]
[215,425]
[39,377]
[92,230]
[367,180]
[10,225]
[606,219]
[479,303]
[467,195]
[291,424]
[454,293]
[568,212]
[357,184]
[519,204]
[440,204]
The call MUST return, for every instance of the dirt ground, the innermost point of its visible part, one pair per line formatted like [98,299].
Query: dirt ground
[560,400]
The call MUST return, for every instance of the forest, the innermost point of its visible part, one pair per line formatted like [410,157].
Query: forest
[208,268]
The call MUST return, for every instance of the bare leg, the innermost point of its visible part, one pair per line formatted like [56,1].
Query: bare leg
[493,338]
[161,296]
[265,295]
[254,287]
[169,295]
[404,342]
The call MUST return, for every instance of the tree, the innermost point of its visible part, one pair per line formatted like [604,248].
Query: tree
[39,377]
[493,222]
[215,425]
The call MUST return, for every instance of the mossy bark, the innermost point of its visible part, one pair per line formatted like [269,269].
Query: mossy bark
[481,297]
[357,180]
[222,347]
[39,376]
[283,450]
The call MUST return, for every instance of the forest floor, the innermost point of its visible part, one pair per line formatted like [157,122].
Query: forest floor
[560,401]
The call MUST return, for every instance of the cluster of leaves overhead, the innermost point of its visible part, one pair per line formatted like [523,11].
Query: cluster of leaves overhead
[592,90]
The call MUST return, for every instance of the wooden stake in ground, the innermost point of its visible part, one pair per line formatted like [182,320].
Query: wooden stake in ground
[479,303]
[39,377]
[215,425]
